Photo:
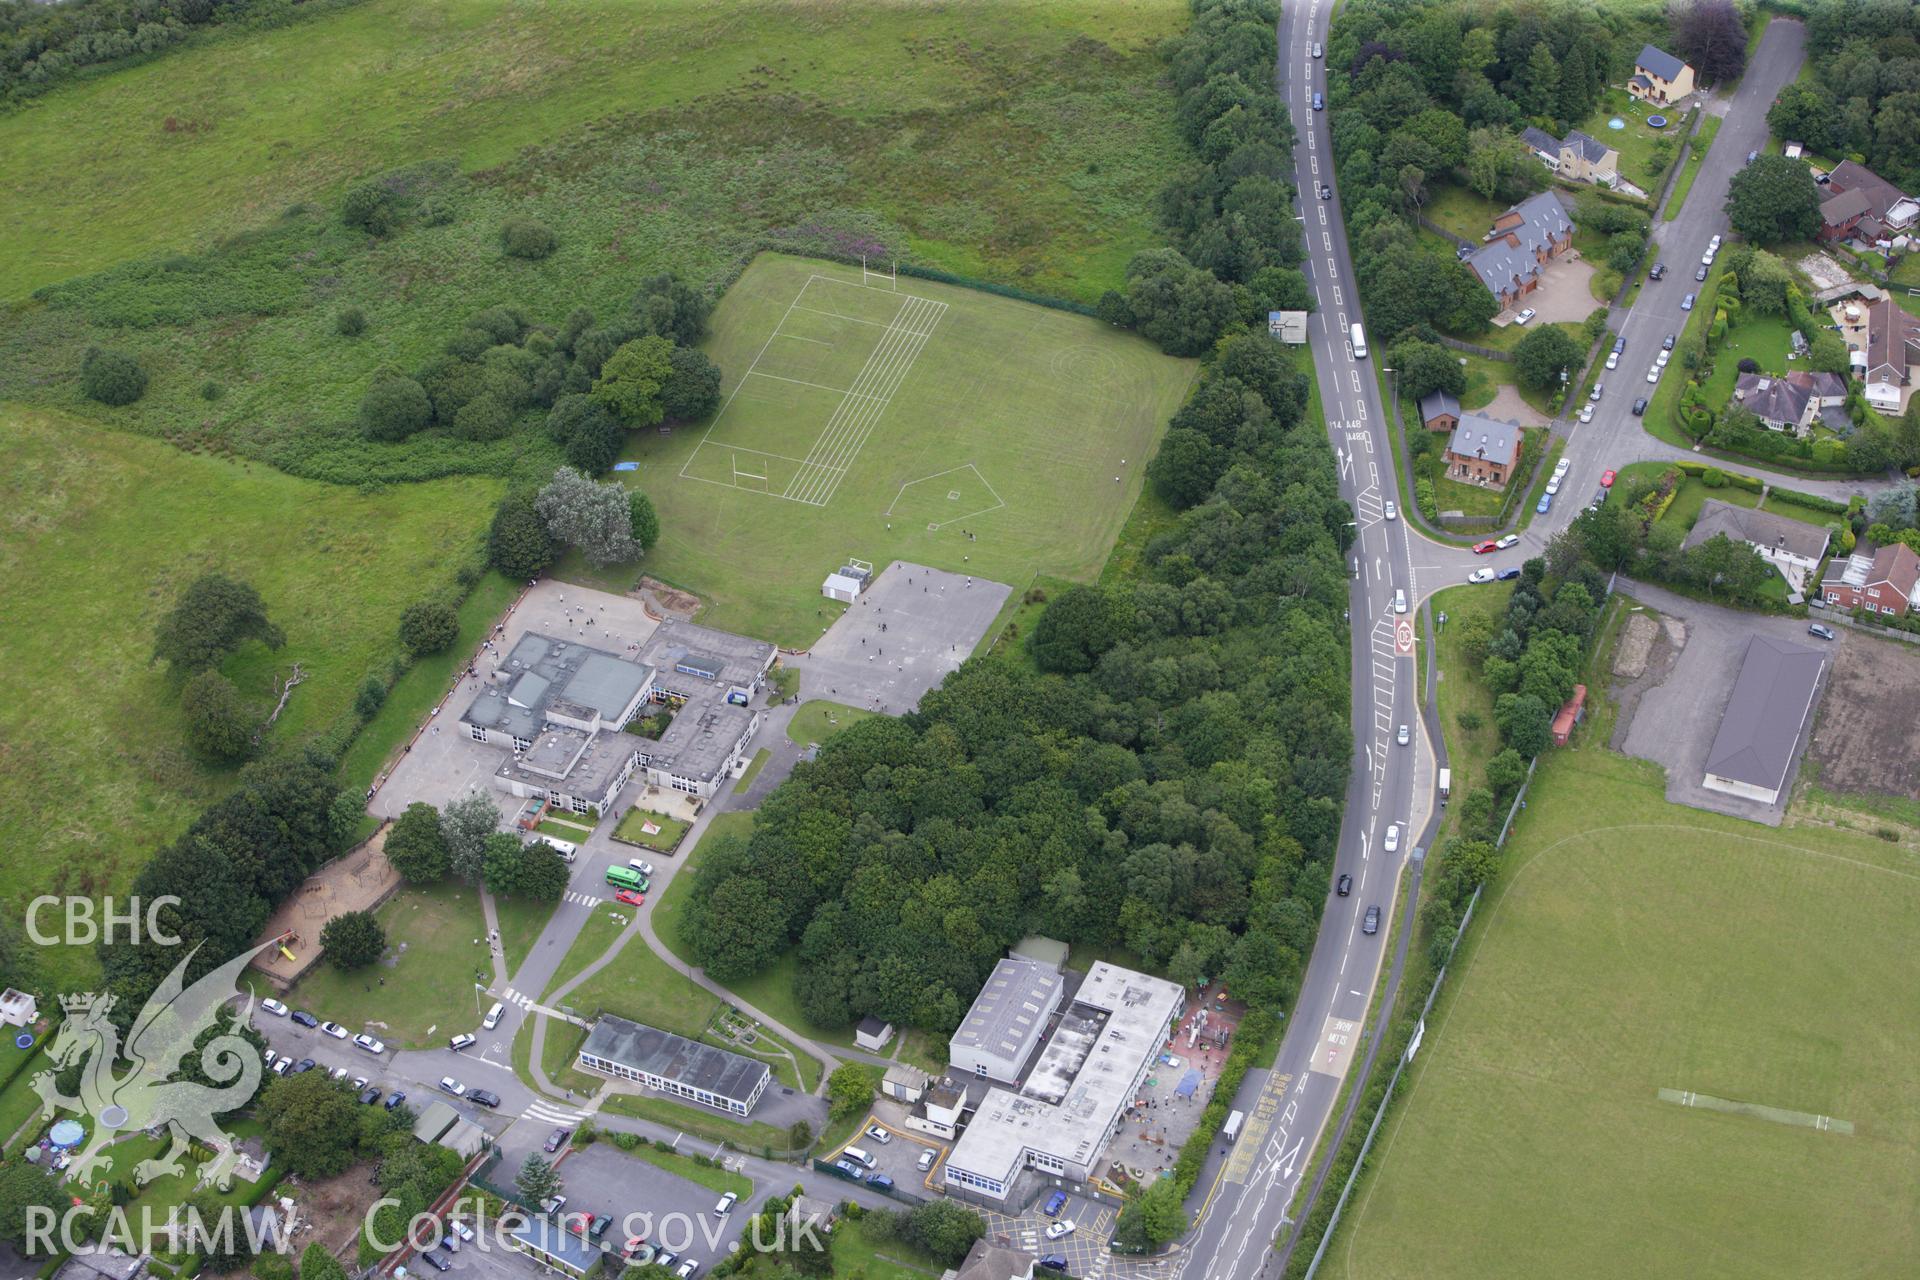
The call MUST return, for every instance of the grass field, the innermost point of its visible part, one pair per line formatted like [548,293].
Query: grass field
[1632,946]
[1766,339]
[426,992]
[1020,140]
[634,822]
[1460,692]
[819,720]
[99,533]
[884,426]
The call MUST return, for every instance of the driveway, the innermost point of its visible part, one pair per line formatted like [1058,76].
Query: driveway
[1565,294]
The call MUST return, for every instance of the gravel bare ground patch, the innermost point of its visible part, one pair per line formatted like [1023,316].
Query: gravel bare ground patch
[1868,733]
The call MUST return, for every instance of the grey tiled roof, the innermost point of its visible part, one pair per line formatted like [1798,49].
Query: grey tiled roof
[1760,528]
[1659,62]
[1435,403]
[1540,140]
[1478,437]
[1763,717]
[1513,254]
[1591,149]
[671,1057]
[1774,399]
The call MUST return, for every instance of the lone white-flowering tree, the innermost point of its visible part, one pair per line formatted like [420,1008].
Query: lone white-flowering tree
[597,518]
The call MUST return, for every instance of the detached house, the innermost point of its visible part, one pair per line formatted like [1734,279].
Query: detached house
[1842,216]
[1791,546]
[1659,77]
[1577,157]
[1789,403]
[1893,348]
[1523,241]
[1889,210]
[1483,451]
[1886,581]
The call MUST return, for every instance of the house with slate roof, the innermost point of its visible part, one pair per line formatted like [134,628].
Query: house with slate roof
[1890,209]
[1659,77]
[1439,411]
[1483,451]
[1577,157]
[1524,240]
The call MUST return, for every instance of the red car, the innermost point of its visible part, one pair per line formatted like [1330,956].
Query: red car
[1485,548]
[631,898]
[1606,479]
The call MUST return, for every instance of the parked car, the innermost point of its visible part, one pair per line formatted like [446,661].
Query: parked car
[1662,358]
[1686,303]
[1822,630]
[556,1140]
[1525,316]
[1392,843]
[879,1134]
[394,1099]
[1613,359]
[1607,478]
[1700,273]
[1706,259]
[1619,344]
[274,1007]
[1405,735]
[1507,575]
[1485,548]
[926,1160]
[338,1073]
[1060,1230]
[1319,103]
[369,1096]
[436,1261]
[304,1018]
[1668,344]
[1713,245]
[1586,413]
[725,1206]
[483,1097]
[1053,1262]
[1544,505]
[303,1066]
[1653,374]
[1640,407]
[644,867]
[880,1181]
[1399,599]
[369,1043]
[686,1269]
[553,1205]
[1658,272]
[1511,539]
[597,1225]
[664,1258]
[1599,500]
[1598,387]
[1390,511]
[460,1042]
[334,1029]
[631,898]
[849,1168]
[1343,886]
[449,1085]
[1553,484]
[279,1066]
[360,1082]
[1371,925]
[1055,1203]
[1481,575]
[1326,192]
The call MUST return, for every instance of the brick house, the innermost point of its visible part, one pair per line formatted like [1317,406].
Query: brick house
[1893,209]
[1522,242]
[1841,215]
[1482,451]
[1893,348]
[1886,581]
[1439,411]
[1659,77]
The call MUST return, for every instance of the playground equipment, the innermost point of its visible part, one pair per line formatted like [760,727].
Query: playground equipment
[281,944]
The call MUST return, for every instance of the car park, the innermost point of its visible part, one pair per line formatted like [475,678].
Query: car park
[1319,103]
[1586,413]
[1544,505]
[1508,575]
[449,1085]
[1343,886]
[556,1140]
[1481,575]
[461,1041]
[1060,1230]
[334,1029]
[1371,925]
[369,1096]
[303,1066]
[1392,843]
[1820,629]
[274,1007]
[1485,548]
[1405,735]
[394,1099]
[1055,1203]
[880,1181]
[1525,316]
[1640,407]
[1686,303]
[1512,539]
[631,898]
[483,1097]
[1390,511]
[369,1044]
[304,1018]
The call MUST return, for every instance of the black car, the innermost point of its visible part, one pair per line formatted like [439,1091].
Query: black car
[1700,272]
[1640,407]
[304,1018]
[1326,192]
[303,1066]
[370,1095]
[438,1260]
[1659,271]
[1820,629]
[1599,500]
[556,1139]
[1507,574]
[1054,1262]
[1343,886]
[395,1099]
[483,1098]
[1668,344]
[1372,923]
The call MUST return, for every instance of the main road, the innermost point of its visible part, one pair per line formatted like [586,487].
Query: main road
[1246,1198]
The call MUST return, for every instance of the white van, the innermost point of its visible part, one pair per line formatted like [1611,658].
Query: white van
[858,1156]
[567,852]
[492,1019]
[1358,337]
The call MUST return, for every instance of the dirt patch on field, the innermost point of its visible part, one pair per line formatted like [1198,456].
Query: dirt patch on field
[663,601]
[331,1211]
[1868,733]
[356,881]
[1636,641]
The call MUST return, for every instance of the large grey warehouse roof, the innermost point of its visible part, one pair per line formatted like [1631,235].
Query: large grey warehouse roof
[544,671]
[1011,1010]
[672,1057]
[1772,697]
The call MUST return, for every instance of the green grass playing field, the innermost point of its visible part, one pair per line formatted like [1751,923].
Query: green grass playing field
[1633,946]
[99,533]
[861,421]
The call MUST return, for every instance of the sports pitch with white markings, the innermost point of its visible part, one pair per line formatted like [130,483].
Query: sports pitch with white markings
[873,418]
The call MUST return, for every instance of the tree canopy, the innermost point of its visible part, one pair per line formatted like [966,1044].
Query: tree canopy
[214,616]
[1774,199]
[352,940]
[597,518]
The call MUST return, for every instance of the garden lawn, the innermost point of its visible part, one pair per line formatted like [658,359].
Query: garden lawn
[1484,379]
[415,996]
[632,829]
[101,531]
[1461,691]
[1631,946]
[855,1255]
[18,1101]
[819,720]
[1764,339]
[1696,155]
[1636,142]
[521,922]
[1024,141]
[1466,213]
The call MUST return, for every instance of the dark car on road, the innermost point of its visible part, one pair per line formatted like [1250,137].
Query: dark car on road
[556,1139]
[1372,923]
[1319,103]
[1640,407]
[1659,271]
[1820,629]
[1343,886]
[1507,575]
[305,1019]
[483,1098]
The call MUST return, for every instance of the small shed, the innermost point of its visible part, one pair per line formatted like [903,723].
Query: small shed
[1570,715]
[17,1008]
[839,586]
[435,1119]
[872,1034]
[465,1138]
[903,1083]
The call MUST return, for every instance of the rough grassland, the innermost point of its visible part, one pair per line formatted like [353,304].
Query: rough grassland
[99,533]
[1007,402]
[1632,945]
[1018,139]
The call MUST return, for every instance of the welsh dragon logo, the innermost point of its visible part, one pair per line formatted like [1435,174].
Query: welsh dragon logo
[146,1097]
